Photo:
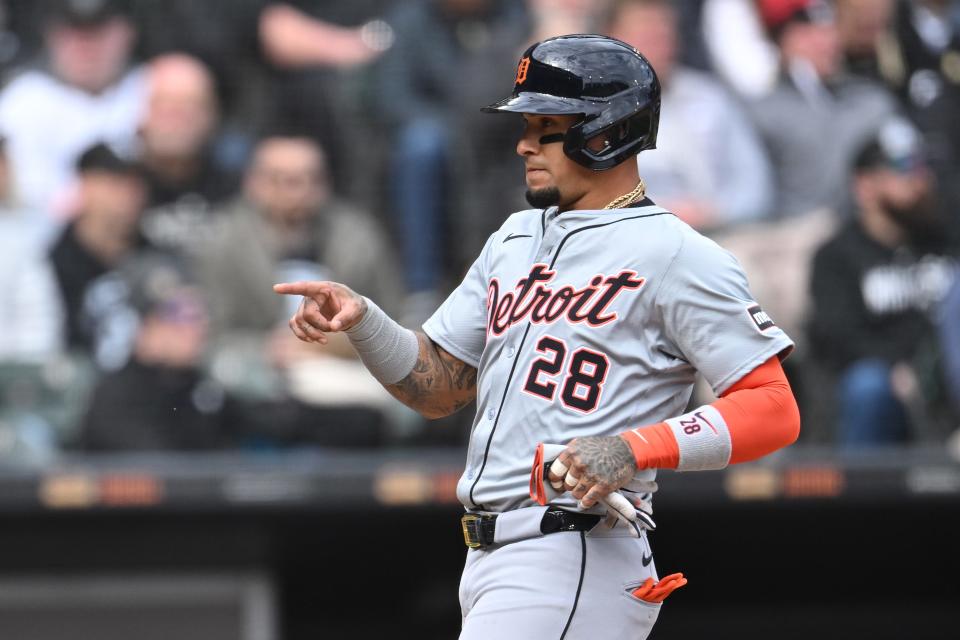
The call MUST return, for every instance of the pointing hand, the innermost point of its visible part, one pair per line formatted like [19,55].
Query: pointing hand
[326,307]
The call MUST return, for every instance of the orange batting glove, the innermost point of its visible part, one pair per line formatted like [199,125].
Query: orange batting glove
[657,592]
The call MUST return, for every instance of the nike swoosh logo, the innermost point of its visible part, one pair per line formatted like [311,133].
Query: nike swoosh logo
[700,415]
[514,237]
[646,559]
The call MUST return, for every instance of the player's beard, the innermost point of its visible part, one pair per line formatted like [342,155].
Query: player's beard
[543,198]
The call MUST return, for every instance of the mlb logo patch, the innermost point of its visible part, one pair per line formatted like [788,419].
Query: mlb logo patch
[760,318]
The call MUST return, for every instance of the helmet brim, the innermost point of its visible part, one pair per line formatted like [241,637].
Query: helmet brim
[539,103]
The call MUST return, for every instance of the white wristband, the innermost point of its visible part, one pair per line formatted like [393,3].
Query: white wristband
[388,350]
[703,439]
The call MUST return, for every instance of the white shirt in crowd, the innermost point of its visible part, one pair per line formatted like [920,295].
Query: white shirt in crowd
[707,150]
[739,48]
[31,317]
[49,124]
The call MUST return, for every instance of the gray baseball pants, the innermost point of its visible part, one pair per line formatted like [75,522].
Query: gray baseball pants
[563,586]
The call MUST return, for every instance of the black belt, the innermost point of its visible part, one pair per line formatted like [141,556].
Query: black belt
[479,529]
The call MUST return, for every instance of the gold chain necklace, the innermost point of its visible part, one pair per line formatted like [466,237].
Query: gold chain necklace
[628,198]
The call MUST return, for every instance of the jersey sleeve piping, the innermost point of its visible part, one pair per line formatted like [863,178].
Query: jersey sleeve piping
[449,347]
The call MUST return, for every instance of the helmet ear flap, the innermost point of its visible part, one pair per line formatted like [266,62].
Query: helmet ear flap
[620,140]
[604,141]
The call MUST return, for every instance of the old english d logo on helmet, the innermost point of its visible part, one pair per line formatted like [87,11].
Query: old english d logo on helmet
[606,82]
[522,70]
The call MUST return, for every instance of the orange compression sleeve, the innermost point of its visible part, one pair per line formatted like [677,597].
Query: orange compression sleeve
[759,413]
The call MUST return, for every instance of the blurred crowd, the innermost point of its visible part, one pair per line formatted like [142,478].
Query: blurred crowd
[163,163]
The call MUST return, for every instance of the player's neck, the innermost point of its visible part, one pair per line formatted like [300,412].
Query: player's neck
[607,187]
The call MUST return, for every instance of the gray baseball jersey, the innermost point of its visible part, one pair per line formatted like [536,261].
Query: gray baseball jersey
[589,323]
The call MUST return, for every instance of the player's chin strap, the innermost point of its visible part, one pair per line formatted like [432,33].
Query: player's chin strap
[550,138]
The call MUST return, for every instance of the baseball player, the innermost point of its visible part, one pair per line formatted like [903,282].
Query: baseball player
[578,330]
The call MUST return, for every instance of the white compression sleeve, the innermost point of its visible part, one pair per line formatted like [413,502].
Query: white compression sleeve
[388,350]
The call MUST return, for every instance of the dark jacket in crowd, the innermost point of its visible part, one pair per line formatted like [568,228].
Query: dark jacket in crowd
[922,70]
[76,269]
[178,215]
[149,408]
[211,184]
[871,301]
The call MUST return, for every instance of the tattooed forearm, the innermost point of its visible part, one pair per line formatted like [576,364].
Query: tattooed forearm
[608,460]
[439,384]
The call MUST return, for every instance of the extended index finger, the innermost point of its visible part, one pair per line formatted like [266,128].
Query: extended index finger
[310,289]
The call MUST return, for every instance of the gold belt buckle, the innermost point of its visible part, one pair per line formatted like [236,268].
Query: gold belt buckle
[471,530]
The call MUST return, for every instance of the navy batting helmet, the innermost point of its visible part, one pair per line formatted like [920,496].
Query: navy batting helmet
[604,80]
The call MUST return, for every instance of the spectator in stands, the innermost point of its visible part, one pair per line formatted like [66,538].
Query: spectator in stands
[923,56]
[30,313]
[864,28]
[941,128]
[42,389]
[913,47]
[288,219]
[288,226]
[111,193]
[86,93]
[292,36]
[875,286]
[184,180]
[739,49]
[709,167]
[559,17]
[315,52]
[449,57]
[298,62]
[816,116]
[160,399]
[222,33]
